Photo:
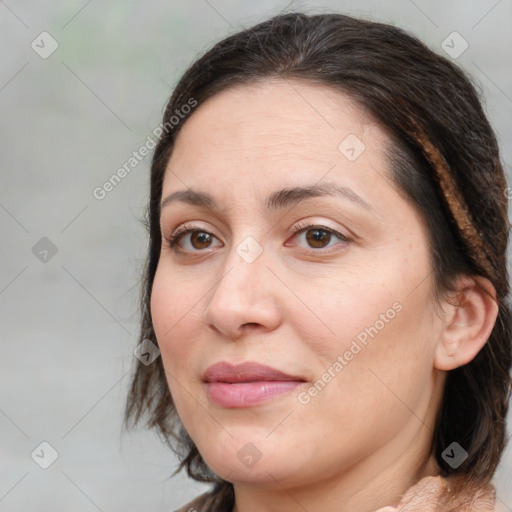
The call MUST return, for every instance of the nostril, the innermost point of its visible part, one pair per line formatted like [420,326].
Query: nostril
[250,326]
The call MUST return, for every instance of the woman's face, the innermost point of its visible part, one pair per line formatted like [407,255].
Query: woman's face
[301,256]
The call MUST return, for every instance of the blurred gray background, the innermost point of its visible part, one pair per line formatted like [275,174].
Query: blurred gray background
[70,263]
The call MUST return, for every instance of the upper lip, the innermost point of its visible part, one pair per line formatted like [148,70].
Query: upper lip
[244,372]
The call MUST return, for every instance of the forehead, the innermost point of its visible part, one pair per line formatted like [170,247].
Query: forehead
[276,128]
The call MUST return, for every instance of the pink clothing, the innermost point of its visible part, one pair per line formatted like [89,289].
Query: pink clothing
[430,494]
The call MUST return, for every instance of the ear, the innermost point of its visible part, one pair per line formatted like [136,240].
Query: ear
[470,313]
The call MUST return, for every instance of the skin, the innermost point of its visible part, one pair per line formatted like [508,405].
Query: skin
[365,438]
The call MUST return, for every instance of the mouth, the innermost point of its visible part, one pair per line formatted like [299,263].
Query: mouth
[246,384]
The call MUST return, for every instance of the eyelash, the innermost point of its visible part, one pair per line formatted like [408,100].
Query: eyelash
[298,228]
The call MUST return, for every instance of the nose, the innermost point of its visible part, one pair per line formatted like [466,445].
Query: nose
[244,298]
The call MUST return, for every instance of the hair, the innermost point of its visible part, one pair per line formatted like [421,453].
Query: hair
[443,158]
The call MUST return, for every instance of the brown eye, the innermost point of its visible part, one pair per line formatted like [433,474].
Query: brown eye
[200,239]
[192,239]
[318,238]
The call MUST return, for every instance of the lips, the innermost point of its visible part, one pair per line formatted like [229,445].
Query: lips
[246,384]
[245,372]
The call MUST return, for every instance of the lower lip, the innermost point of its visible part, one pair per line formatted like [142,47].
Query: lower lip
[247,394]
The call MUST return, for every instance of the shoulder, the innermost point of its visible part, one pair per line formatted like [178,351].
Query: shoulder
[453,493]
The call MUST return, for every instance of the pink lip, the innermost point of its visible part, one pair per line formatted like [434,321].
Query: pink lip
[246,384]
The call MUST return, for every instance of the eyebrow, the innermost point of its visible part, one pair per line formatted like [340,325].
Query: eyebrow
[276,200]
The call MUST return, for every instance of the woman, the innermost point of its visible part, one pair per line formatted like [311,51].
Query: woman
[327,278]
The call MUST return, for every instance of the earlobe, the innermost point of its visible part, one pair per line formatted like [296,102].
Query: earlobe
[469,320]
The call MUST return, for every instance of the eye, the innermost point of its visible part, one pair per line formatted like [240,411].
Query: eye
[317,236]
[192,238]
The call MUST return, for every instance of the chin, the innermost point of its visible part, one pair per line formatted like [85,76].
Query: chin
[252,465]
[261,473]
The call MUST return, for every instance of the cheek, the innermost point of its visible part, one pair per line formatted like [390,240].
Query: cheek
[387,350]
[175,311]
[373,333]
[344,306]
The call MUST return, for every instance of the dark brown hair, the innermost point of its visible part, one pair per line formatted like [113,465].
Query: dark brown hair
[444,159]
